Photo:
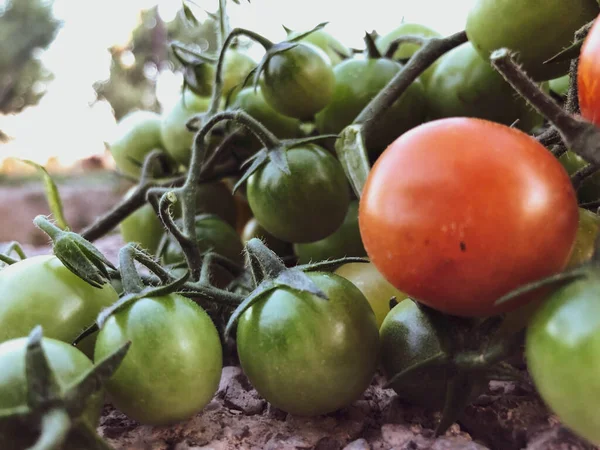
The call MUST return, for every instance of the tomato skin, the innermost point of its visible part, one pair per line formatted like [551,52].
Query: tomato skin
[40,290]
[306,355]
[562,347]
[298,82]
[305,206]
[357,82]
[254,104]
[142,226]
[345,241]
[236,67]
[465,85]
[178,140]
[534,32]
[326,42]
[212,233]
[405,51]
[68,365]
[173,366]
[428,225]
[138,133]
[588,74]
[254,230]
[375,288]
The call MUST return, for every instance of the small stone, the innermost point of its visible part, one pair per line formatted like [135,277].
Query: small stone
[396,435]
[359,444]
[328,443]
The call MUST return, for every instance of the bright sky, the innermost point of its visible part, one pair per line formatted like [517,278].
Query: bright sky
[65,124]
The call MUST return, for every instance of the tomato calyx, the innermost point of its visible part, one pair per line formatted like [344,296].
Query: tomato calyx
[199,72]
[371,49]
[79,255]
[54,412]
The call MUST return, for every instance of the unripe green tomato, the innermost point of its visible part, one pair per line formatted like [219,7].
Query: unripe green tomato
[465,85]
[142,226]
[345,241]
[236,67]
[173,366]
[298,82]
[405,51]
[357,82]
[213,198]
[375,288]
[535,31]
[138,133]
[254,230]
[560,85]
[178,140]
[326,42]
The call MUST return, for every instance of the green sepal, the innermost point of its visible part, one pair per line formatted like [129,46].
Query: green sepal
[352,154]
[42,386]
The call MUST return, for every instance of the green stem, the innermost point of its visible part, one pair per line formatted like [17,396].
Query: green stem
[47,227]
[409,39]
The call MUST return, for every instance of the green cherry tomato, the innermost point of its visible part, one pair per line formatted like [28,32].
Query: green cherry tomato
[534,31]
[298,82]
[560,85]
[408,338]
[173,366]
[307,205]
[562,350]
[307,355]
[583,249]
[589,190]
[138,133]
[253,102]
[465,85]
[373,285]
[213,198]
[178,140]
[326,42]
[68,365]
[213,234]
[253,229]
[357,82]
[236,67]
[405,51]
[40,290]
[345,241]
[142,226]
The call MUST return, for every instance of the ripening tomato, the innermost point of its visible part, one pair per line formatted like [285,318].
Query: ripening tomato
[588,76]
[450,218]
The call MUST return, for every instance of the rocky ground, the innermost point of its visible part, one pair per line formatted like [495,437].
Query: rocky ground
[508,416]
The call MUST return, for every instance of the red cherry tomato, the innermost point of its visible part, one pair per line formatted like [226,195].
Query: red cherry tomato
[588,76]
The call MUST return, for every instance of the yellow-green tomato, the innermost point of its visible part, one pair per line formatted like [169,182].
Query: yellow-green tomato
[326,42]
[583,249]
[178,140]
[138,133]
[375,288]
[40,290]
[173,367]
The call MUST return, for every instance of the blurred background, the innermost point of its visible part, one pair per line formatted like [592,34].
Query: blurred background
[70,69]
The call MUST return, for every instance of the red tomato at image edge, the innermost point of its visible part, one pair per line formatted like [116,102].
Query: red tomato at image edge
[458,212]
[588,76]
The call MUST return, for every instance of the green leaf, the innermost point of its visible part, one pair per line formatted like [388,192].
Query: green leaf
[353,156]
[189,15]
[52,195]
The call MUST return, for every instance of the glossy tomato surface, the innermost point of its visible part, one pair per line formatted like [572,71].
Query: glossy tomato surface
[588,76]
[452,214]
[142,226]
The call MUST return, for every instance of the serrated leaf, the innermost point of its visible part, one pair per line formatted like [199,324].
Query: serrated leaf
[299,281]
[254,296]
[52,195]
[189,15]
[42,386]
[279,159]
[353,156]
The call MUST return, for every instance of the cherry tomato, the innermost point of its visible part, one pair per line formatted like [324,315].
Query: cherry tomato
[357,82]
[173,366]
[335,50]
[307,355]
[68,365]
[465,85]
[213,198]
[254,230]
[588,74]
[142,226]
[345,241]
[562,348]
[236,67]
[375,288]
[298,82]
[178,140]
[406,50]
[138,133]
[253,103]
[307,205]
[535,32]
[449,218]
[40,290]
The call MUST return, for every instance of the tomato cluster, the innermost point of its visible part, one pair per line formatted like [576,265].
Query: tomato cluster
[453,245]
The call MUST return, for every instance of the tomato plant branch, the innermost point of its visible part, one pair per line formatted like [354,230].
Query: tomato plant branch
[417,64]
[578,177]
[579,135]
[408,39]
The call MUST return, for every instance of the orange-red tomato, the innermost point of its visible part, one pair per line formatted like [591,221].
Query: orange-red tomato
[588,76]
[458,212]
